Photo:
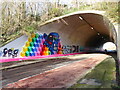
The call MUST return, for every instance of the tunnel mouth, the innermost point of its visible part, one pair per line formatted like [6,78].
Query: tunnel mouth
[109,46]
[99,44]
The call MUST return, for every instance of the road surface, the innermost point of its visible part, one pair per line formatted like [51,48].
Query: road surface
[14,74]
[48,73]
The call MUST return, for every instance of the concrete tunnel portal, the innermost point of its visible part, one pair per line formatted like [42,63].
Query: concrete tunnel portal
[88,30]
[81,31]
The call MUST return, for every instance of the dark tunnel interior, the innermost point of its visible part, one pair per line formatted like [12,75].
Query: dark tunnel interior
[97,41]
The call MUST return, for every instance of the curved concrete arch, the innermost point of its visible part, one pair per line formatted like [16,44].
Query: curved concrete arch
[85,29]
[79,31]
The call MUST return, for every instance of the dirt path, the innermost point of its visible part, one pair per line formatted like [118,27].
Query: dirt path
[64,76]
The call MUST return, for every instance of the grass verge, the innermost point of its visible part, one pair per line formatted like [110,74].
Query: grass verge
[102,76]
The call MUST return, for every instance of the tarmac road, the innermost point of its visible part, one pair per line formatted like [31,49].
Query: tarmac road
[15,74]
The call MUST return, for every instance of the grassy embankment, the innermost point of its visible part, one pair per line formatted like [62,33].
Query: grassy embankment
[102,76]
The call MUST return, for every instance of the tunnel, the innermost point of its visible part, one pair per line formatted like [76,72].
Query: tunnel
[82,31]
[88,30]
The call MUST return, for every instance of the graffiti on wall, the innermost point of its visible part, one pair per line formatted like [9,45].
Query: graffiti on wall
[42,44]
[9,52]
[52,42]
[72,49]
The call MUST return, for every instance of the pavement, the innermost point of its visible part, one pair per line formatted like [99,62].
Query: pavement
[63,76]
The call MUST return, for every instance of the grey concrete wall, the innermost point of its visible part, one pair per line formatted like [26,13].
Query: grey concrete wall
[16,44]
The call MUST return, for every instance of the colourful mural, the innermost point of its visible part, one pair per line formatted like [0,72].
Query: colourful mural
[42,44]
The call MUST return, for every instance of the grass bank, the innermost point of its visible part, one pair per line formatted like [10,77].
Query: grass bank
[102,76]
